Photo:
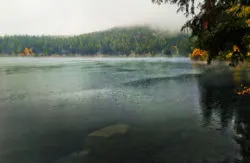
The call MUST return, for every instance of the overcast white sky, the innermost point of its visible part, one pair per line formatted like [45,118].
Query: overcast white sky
[72,17]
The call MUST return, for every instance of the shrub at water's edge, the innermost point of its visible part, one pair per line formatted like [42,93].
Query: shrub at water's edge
[198,55]
[26,52]
[202,55]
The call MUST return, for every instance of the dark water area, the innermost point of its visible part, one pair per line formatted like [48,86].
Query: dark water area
[174,111]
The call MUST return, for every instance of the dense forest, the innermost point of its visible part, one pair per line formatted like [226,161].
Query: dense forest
[218,25]
[116,41]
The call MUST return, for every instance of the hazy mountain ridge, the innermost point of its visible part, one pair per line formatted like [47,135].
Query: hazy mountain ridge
[139,40]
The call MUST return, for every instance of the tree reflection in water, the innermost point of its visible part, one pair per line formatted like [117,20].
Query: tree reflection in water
[222,105]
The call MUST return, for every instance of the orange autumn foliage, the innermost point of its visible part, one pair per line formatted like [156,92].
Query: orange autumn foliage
[236,48]
[244,91]
[26,52]
[199,54]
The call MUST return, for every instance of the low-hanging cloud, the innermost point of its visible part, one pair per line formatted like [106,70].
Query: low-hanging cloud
[72,17]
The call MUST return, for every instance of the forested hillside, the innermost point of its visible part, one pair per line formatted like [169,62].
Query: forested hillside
[116,41]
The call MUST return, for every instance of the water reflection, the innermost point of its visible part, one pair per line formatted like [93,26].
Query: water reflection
[217,102]
[222,106]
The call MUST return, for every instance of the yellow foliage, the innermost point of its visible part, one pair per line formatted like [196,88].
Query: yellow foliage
[228,56]
[30,50]
[248,22]
[198,54]
[244,12]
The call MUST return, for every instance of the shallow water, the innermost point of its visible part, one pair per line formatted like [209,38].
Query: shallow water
[176,111]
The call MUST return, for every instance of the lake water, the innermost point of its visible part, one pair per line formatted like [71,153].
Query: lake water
[175,111]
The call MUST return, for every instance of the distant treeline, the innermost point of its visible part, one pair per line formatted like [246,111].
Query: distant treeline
[116,41]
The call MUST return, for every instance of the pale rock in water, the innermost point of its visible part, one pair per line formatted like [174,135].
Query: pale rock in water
[95,142]
[76,157]
[110,131]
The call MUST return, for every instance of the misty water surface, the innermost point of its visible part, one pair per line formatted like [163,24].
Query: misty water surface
[176,113]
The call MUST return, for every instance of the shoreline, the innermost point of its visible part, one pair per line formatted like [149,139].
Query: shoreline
[105,56]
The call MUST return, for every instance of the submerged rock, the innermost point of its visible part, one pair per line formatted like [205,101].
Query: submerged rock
[110,131]
[101,143]
[77,157]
